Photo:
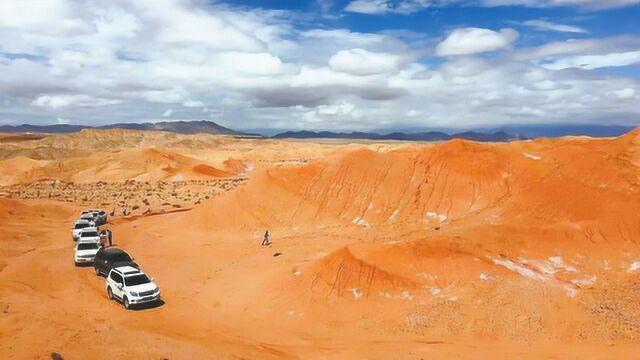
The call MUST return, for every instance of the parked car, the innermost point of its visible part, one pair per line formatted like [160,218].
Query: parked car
[99,216]
[79,226]
[85,252]
[87,215]
[108,258]
[131,286]
[90,234]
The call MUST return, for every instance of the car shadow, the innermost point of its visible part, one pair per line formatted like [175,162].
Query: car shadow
[84,265]
[147,306]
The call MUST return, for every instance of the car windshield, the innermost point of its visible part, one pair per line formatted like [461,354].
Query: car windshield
[89,234]
[81,226]
[87,246]
[120,257]
[136,280]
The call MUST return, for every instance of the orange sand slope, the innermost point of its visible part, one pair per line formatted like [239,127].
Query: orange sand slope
[118,165]
[459,249]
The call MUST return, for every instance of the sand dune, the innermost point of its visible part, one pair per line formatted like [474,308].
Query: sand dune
[521,250]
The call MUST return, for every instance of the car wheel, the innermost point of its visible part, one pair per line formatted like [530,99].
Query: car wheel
[109,293]
[97,272]
[76,263]
[125,301]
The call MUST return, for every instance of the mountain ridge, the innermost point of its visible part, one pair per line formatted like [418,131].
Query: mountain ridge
[499,136]
[180,127]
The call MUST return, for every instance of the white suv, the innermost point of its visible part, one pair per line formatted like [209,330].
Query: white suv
[131,286]
[99,216]
[89,234]
[88,216]
[86,252]
[80,225]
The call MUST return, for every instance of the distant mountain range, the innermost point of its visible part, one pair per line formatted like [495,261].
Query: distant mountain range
[181,127]
[499,136]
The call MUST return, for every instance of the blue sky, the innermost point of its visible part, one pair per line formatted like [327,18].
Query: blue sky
[321,64]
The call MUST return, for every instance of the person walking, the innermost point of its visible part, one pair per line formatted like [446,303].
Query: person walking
[103,238]
[265,241]
[110,237]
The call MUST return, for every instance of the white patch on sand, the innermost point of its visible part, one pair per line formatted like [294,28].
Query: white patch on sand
[435,291]
[485,277]
[570,289]
[405,295]
[425,276]
[298,272]
[532,157]
[528,273]
[355,292]
[588,281]
[571,292]
[435,215]
[360,221]
[370,206]
[393,216]
[247,170]
[559,263]
[543,267]
[556,261]
[634,266]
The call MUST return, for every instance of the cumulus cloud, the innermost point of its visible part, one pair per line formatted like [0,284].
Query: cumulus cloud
[99,62]
[591,62]
[62,101]
[387,6]
[379,7]
[549,26]
[362,62]
[476,40]
[594,4]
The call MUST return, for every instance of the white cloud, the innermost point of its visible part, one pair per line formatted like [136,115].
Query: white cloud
[62,101]
[167,113]
[475,40]
[368,6]
[192,103]
[387,6]
[362,62]
[261,70]
[594,4]
[411,6]
[549,26]
[591,62]
[340,109]
[627,93]
[62,121]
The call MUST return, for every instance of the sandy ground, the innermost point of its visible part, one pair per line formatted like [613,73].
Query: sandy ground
[524,250]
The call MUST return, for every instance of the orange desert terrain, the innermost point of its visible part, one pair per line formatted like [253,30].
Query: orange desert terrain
[381,250]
